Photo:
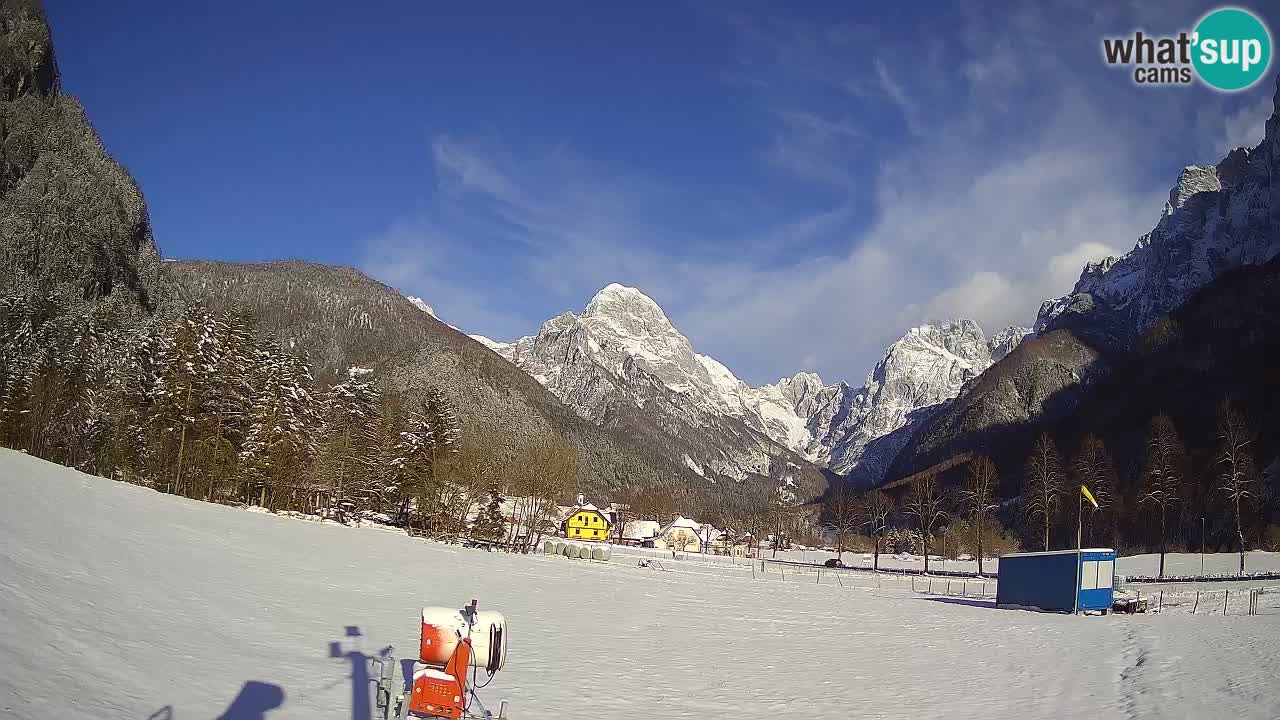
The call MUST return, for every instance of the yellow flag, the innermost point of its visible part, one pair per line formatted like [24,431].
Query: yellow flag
[1088,496]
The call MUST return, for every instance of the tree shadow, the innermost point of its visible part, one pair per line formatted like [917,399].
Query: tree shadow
[255,700]
[971,602]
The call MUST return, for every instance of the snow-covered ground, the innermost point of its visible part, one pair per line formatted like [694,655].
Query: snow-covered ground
[118,602]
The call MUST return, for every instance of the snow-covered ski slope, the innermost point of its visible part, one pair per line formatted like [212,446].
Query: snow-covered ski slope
[118,602]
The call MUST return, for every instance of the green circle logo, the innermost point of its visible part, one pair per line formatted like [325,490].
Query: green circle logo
[1231,49]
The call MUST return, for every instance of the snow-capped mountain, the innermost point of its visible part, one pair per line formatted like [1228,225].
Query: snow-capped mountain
[1004,341]
[926,366]
[1218,218]
[621,358]
[622,352]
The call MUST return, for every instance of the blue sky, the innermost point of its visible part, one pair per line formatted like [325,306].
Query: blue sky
[795,184]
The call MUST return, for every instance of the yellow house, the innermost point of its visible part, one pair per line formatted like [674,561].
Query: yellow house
[586,522]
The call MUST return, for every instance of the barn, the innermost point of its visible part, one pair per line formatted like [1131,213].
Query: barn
[1057,581]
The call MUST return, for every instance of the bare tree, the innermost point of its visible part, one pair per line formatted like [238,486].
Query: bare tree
[843,518]
[1092,467]
[652,503]
[926,503]
[444,488]
[678,540]
[978,496]
[1162,474]
[546,475]
[1042,483]
[874,509]
[1238,476]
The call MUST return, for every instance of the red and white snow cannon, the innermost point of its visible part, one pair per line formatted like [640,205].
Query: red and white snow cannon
[455,642]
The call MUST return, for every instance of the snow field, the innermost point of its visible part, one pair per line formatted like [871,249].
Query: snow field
[122,602]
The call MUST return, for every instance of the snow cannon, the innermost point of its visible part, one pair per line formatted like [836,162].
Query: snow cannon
[453,643]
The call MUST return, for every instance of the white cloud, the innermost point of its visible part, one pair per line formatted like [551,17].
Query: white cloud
[420,260]
[1019,165]
[899,97]
[1245,127]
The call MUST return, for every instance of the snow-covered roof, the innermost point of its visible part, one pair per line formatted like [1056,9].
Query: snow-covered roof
[640,529]
[1059,552]
[681,522]
[587,507]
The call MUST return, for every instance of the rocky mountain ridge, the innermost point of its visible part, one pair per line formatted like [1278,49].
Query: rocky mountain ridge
[1218,220]
[622,348]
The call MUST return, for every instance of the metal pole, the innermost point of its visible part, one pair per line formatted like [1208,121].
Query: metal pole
[1201,546]
[1079,512]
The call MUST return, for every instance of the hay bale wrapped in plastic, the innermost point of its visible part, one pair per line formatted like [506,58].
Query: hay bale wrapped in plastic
[597,553]
[549,547]
[607,552]
[571,551]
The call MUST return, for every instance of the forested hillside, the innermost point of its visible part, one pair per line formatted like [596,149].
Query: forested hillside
[338,318]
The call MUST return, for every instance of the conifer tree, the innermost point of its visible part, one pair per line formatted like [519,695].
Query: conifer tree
[348,443]
[283,420]
[490,525]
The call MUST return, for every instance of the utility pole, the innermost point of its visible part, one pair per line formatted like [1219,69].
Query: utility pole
[1201,546]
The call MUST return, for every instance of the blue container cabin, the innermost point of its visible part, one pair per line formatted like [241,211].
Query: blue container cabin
[1053,581]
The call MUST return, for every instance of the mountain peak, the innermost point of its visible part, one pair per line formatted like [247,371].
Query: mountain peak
[618,289]
[1004,341]
[616,294]
[804,377]
[1192,180]
[961,336]
[623,303]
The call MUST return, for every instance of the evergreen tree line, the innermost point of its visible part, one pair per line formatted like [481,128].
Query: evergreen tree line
[1213,497]
[200,406]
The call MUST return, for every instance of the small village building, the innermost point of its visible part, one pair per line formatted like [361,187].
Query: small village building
[680,535]
[587,522]
[640,532]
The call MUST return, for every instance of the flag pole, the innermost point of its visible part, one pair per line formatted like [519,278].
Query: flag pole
[1079,519]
